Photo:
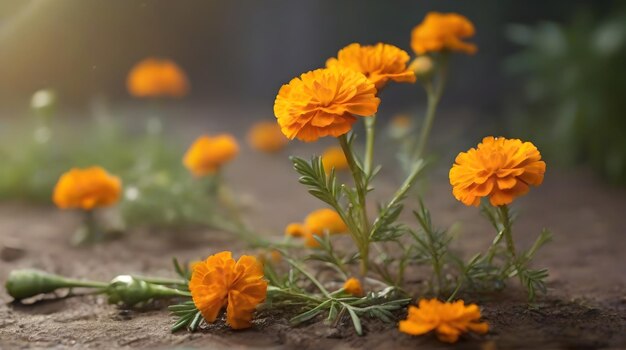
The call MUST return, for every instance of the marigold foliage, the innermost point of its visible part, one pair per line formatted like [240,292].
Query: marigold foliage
[86,189]
[499,168]
[208,154]
[380,63]
[448,320]
[266,137]
[220,282]
[443,31]
[154,77]
[324,102]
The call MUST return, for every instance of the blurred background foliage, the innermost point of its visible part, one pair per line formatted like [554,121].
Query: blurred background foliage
[571,96]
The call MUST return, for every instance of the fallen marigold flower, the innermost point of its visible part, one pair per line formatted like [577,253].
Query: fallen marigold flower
[208,154]
[353,287]
[220,282]
[448,320]
[443,31]
[333,157]
[380,63]
[324,102]
[86,189]
[317,223]
[499,168]
[266,137]
[155,77]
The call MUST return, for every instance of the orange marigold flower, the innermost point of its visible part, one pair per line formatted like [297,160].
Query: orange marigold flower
[207,154]
[324,102]
[333,157]
[155,77]
[443,31]
[87,189]
[220,282]
[266,137]
[353,287]
[448,320]
[380,63]
[498,168]
[295,229]
[323,221]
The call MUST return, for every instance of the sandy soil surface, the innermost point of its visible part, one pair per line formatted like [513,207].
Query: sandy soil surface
[585,306]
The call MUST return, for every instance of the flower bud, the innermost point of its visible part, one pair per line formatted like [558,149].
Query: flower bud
[422,66]
[27,283]
[130,291]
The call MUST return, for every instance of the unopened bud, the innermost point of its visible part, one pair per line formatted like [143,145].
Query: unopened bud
[422,66]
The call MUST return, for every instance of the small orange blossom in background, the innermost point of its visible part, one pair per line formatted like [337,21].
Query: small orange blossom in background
[448,320]
[498,168]
[154,77]
[208,154]
[86,189]
[380,63]
[324,102]
[317,223]
[220,282]
[266,137]
[333,157]
[353,287]
[443,31]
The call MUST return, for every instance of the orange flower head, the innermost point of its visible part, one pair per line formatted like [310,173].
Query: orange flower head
[323,221]
[295,229]
[448,320]
[208,154]
[353,287]
[266,137]
[324,102]
[220,282]
[333,157]
[443,32]
[87,189]
[155,77]
[498,168]
[380,63]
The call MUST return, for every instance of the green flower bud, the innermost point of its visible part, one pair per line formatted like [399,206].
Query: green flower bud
[130,291]
[27,283]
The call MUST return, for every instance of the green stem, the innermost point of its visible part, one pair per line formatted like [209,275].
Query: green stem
[310,277]
[507,231]
[370,130]
[363,241]
[162,281]
[434,96]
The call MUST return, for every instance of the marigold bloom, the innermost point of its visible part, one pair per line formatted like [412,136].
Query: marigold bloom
[324,102]
[266,137]
[220,282]
[207,154]
[498,168]
[380,63]
[317,223]
[448,320]
[353,287]
[443,31]
[155,77]
[333,157]
[87,189]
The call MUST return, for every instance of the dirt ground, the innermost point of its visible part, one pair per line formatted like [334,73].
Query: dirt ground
[585,307]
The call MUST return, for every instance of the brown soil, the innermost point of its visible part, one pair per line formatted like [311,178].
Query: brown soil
[585,306]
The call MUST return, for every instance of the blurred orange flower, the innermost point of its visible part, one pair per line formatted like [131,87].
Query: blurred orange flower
[443,31]
[207,154]
[324,102]
[154,77]
[266,137]
[448,320]
[86,189]
[333,157]
[353,287]
[380,63]
[498,168]
[220,282]
[317,223]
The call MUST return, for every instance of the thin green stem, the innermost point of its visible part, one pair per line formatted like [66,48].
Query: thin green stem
[370,133]
[310,277]
[507,229]
[359,183]
[74,283]
[162,281]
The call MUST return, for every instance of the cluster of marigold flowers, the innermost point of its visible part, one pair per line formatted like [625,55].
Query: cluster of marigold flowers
[319,103]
